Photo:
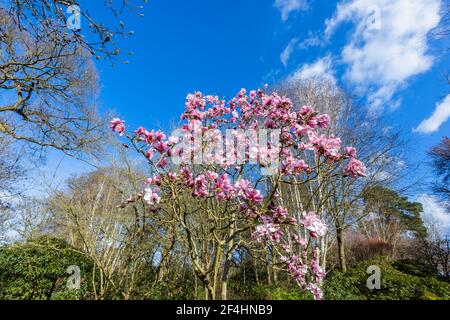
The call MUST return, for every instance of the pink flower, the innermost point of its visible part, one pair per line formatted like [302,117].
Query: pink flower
[293,166]
[299,240]
[161,147]
[280,213]
[267,231]
[200,186]
[317,270]
[355,168]
[212,176]
[117,125]
[315,226]
[186,175]
[254,196]
[151,197]
[327,146]
[349,152]
[156,180]
[158,135]
[315,290]
[305,110]
[172,176]
[149,154]
[141,133]
[242,186]
[172,141]
[162,163]
[323,120]
[224,188]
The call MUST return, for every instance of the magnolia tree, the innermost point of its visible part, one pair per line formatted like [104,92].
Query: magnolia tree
[223,173]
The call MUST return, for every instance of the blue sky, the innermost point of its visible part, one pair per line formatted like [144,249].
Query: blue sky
[218,47]
[382,50]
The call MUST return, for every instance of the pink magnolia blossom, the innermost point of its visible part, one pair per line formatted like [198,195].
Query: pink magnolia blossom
[162,163]
[172,141]
[355,168]
[323,120]
[349,152]
[149,154]
[161,147]
[306,110]
[224,189]
[200,186]
[172,176]
[299,240]
[315,226]
[315,290]
[316,268]
[292,166]
[280,213]
[242,186]
[212,176]
[117,125]
[253,195]
[328,146]
[267,231]
[187,177]
[151,197]
[156,180]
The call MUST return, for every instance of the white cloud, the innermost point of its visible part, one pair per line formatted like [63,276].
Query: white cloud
[434,214]
[286,54]
[321,68]
[287,6]
[439,116]
[389,43]
[313,40]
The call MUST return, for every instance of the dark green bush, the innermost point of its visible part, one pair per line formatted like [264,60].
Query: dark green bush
[283,291]
[395,284]
[414,267]
[37,270]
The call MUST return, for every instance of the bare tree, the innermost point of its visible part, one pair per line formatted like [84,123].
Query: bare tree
[11,174]
[435,252]
[47,79]
[48,90]
[119,240]
[51,16]
[440,156]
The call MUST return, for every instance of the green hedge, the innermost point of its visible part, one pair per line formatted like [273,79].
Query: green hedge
[396,283]
[36,270]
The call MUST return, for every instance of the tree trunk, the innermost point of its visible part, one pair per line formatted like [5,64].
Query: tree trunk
[341,249]
[255,267]
[226,270]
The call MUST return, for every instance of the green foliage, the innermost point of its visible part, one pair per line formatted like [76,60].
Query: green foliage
[395,284]
[278,293]
[283,291]
[413,267]
[170,291]
[37,270]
